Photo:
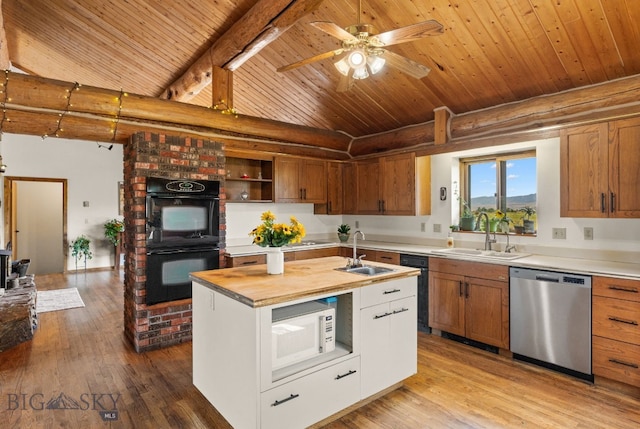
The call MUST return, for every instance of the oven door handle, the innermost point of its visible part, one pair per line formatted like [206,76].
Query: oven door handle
[182,250]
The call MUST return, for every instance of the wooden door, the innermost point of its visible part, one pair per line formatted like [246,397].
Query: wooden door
[446,302]
[398,185]
[368,185]
[287,184]
[334,188]
[624,168]
[584,170]
[313,181]
[487,311]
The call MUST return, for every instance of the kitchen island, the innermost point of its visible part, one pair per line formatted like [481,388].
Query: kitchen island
[233,357]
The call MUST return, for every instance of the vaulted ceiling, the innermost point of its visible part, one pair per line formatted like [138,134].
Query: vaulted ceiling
[491,52]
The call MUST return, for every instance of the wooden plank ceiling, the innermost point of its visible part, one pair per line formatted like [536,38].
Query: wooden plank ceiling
[492,52]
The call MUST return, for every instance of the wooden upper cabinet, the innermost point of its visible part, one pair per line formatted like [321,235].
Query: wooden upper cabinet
[394,185]
[300,180]
[334,188]
[599,170]
[349,189]
[368,184]
[624,168]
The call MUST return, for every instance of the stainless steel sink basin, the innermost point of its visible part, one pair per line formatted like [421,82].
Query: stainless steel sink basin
[480,254]
[366,270]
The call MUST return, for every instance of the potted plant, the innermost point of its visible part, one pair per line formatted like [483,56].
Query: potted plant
[527,223]
[111,230]
[467,219]
[80,249]
[343,232]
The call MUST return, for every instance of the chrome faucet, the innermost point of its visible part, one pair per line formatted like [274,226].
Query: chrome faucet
[487,239]
[356,261]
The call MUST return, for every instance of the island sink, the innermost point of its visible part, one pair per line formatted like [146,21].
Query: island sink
[367,271]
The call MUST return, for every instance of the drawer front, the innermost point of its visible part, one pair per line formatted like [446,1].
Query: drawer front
[616,360]
[616,319]
[379,293]
[309,399]
[388,257]
[478,270]
[243,261]
[315,253]
[617,288]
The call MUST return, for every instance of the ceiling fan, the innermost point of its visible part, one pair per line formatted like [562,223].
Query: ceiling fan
[364,50]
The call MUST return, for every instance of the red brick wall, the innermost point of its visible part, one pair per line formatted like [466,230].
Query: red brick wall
[158,155]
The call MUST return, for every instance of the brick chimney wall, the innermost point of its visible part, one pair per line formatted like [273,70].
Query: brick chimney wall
[158,155]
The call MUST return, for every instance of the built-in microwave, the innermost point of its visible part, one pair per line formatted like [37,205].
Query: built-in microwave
[302,331]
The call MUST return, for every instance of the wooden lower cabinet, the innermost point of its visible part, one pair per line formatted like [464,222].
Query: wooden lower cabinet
[616,329]
[470,299]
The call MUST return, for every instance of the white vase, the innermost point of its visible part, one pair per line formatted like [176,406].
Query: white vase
[275,260]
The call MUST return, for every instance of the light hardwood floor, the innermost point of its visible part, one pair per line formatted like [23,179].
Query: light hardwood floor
[82,354]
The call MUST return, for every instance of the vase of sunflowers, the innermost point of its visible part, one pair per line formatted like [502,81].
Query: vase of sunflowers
[273,236]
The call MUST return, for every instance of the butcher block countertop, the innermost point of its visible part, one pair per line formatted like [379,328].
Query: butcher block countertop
[252,285]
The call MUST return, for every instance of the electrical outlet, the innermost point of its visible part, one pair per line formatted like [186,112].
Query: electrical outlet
[559,233]
[357,224]
[588,233]
[437,227]
[422,227]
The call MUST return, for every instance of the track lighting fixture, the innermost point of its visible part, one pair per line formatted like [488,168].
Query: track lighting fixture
[102,146]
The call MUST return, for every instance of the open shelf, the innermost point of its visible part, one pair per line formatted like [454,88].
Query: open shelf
[257,183]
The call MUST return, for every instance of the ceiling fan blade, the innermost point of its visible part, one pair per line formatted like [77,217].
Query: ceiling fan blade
[313,59]
[346,82]
[410,33]
[334,30]
[405,65]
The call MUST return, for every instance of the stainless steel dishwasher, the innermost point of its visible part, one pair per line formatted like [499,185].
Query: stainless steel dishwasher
[550,318]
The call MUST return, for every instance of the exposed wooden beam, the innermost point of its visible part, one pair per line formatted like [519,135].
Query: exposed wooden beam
[5,62]
[600,102]
[261,25]
[40,106]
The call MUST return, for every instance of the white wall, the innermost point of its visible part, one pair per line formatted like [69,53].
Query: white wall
[92,175]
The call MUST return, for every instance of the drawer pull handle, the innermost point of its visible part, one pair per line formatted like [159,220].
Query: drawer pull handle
[380,316]
[402,310]
[386,292]
[351,371]
[624,289]
[628,322]
[280,402]
[619,362]
[249,262]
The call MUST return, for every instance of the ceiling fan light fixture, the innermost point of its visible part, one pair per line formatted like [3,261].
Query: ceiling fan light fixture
[357,59]
[342,66]
[375,63]
[360,73]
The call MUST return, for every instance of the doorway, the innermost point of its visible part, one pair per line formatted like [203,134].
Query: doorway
[35,215]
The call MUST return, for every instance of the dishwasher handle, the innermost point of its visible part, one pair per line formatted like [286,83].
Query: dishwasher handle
[547,278]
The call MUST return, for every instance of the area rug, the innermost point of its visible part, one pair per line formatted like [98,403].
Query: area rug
[59,299]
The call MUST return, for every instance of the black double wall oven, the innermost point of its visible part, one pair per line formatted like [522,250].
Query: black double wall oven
[182,225]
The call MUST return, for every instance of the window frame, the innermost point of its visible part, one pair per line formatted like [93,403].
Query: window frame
[501,174]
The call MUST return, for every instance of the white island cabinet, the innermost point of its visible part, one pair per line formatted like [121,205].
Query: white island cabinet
[376,346]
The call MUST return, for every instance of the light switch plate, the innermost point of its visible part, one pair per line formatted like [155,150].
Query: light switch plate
[559,233]
[437,227]
[588,233]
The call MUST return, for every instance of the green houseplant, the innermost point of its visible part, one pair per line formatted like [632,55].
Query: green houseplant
[111,230]
[80,249]
[527,222]
[467,219]
[343,232]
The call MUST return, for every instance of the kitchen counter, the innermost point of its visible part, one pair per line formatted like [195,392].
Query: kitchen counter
[254,287]
[544,262]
